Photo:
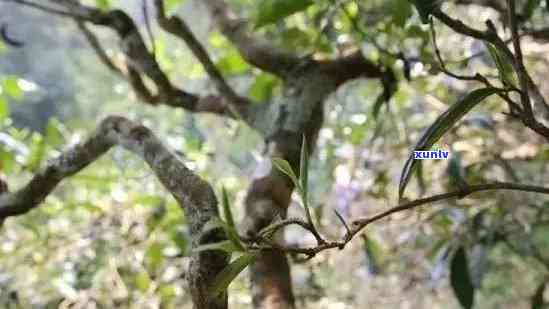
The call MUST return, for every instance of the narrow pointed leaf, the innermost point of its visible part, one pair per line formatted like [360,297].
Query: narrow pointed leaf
[460,279]
[227,207]
[377,105]
[4,109]
[304,168]
[285,167]
[12,88]
[529,8]
[230,272]
[212,224]
[441,125]
[226,245]
[505,68]
[230,232]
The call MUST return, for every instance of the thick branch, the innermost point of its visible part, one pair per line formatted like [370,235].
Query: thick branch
[256,51]
[112,131]
[351,67]
[193,194]
[139,61]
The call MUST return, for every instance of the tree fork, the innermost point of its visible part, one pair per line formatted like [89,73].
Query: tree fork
[195,196]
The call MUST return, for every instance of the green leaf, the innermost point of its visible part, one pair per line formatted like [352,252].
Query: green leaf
[212,224]
[227,213]
[263,87]
[11,86]
[272,11]
[377,105]
[37,153]
[143,281]
[225,245]
[401,10]
[180,238]
[170,6]
[461,280]
[232,63]
[505,68]
[149,200]
[537,299]
[167,293]
[55,133]
[7,161]
[297,39]
[441,125]
[104,5]
[304,169]
[304,178]
[230,272]
[374,253]
[229,226]
[154,256]
[285,167]
[437,249]
[529,8]
[4,109]
[230,232]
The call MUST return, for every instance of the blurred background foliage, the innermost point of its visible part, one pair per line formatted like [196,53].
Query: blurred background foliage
[112,237]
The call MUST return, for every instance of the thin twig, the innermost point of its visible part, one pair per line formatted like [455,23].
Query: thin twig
[360,224]
[179,28]
[476,77]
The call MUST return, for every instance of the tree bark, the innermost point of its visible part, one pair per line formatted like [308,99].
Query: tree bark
[282,122]
[195,196]
[301,114]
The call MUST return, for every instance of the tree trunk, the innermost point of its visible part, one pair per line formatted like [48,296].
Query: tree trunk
[270,195]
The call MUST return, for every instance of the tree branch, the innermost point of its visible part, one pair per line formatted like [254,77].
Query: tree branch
[179,28]
[490,35]
[359,224]
[111,131]
[138,59]
[99,50]
[195,196]
[256,51]
[351,66]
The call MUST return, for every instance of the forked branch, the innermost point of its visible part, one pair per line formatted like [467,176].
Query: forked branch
[195,196]
[358,225]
